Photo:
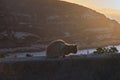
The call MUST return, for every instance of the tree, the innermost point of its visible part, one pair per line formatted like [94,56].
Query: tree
[111,50]
[100,51]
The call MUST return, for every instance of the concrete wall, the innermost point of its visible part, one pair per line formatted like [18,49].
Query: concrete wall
[62,69]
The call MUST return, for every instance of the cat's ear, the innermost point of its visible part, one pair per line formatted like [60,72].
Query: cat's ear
[75,45]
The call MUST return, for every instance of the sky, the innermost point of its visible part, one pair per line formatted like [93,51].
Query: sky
[109,4]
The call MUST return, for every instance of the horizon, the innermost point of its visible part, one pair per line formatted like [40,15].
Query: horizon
[111,10]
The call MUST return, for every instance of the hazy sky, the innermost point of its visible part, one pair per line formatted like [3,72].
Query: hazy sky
[112,4]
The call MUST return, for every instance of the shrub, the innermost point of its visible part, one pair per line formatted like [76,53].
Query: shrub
[2,56]
[29,55]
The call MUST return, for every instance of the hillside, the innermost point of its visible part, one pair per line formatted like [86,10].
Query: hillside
[39,22]
[111,13]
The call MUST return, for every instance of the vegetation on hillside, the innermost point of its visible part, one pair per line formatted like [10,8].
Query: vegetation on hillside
[2,56]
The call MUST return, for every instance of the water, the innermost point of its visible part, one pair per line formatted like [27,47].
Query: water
[37,54]
[88,51]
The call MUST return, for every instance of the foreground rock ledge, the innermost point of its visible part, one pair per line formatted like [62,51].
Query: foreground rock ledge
[80,68]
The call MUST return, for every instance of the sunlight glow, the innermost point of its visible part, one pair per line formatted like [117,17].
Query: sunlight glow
[111,4]
[111,8]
